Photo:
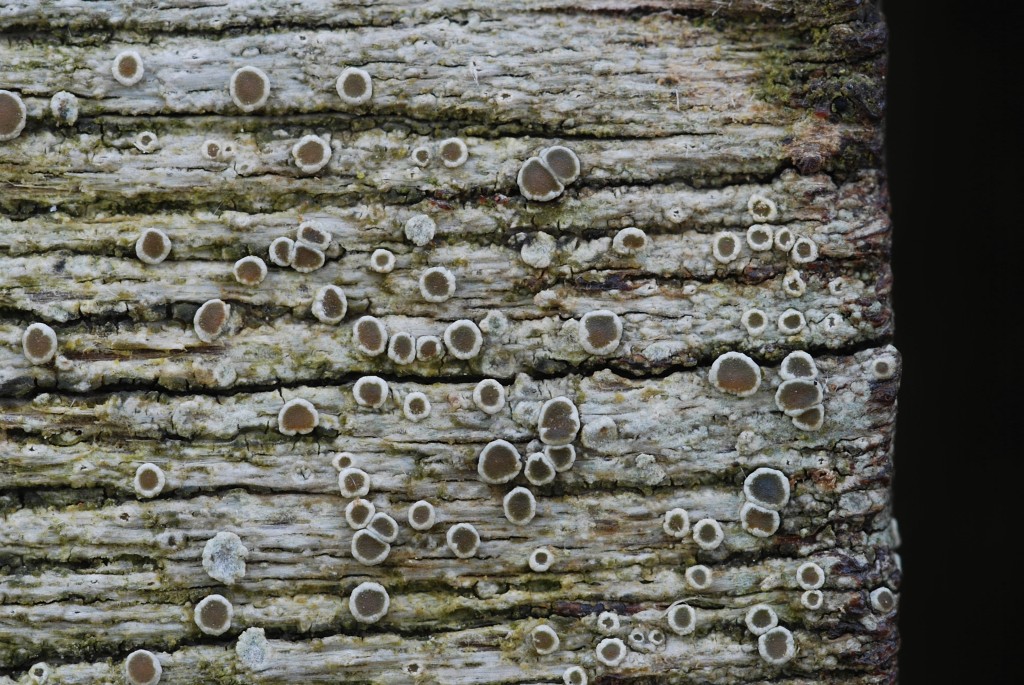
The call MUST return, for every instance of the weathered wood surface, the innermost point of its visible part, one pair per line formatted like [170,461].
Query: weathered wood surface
[679,112]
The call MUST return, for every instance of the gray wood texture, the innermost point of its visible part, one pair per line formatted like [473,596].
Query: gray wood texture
[679,112]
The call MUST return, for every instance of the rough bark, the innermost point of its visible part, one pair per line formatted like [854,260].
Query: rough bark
[679,112]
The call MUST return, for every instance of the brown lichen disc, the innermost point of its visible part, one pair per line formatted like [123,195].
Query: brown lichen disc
[368,549]
[358,513]
[759,521]
[250,271]
[370,601]
[153,246]
[421,515]
[215,615]
[559,421]
[311,153]
[371,392]
[39,343]
[307,259]
[148,479]
[536,182]
[437,284]
[499,462]
[354,86]
[249,88]
[600,331]
[798,364]
[463,540]
[489,396]
[797,396]
[297,417]
[453,152]
[520,506]
[736,374]
[767,487]
[402,348]
[539,470]
[370,335]
[128,66]
[463,339]
[562,456]
[776,646]
[13,115]
[142,668]
[330,304]
[211,319]
[562,162]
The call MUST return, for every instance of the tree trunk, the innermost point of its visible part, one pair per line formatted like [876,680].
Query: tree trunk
[679,112]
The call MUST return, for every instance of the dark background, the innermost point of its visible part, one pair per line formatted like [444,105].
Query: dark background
[956,172]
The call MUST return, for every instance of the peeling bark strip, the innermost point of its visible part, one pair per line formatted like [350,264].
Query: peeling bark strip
[210,474]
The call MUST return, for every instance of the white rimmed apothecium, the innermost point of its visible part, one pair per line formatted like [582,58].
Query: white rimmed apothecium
[463,339]
[736,374]
[329,304]
[128,68]
[371,392]
[149,480]
[369,602]
[354,86]
[520,506]
[358,513]
[421,515]
[152,246]
[402,348]
[370,335]
[453,152]
[13,115]
[600,332]
[249,88]
[249,271]
[39,343]
[297,417]
[760,618]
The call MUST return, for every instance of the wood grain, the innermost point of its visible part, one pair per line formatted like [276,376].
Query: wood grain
[680,112]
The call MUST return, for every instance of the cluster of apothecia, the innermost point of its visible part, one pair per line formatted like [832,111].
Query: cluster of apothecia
[541,178]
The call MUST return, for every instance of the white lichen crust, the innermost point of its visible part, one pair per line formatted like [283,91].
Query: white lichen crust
[253,649]
[420,229]
[224,557]
[64,108]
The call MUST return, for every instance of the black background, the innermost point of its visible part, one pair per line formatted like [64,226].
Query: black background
[956,172]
